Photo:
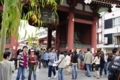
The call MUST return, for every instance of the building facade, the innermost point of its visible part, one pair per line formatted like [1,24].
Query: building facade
[108,31]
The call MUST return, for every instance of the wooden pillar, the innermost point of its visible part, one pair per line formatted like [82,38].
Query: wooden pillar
[49,39]
[70,39]
[94,41]
[57,37]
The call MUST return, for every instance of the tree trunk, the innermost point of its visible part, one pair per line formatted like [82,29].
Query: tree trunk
[3,42]
[3,35]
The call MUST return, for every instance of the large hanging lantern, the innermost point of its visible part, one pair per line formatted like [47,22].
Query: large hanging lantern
[47,16]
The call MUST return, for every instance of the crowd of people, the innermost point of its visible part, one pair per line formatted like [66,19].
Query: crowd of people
[58,63]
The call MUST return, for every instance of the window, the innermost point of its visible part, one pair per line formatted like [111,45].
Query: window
[99,38]
[108,23]
[116,22]
[117,39]
[110,38]
[45,41]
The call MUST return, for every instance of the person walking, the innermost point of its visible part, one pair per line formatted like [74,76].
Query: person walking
[106,62]
[7,66]
[74,65]
[61,65]
[52,57]
[97,65]
[88,61]
[46,58]
[67,62]
[79,59]
[41,60]
[22,60]
[33,61]
[102,63]
[114,74]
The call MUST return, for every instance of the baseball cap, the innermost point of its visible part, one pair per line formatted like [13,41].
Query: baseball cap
[32,50]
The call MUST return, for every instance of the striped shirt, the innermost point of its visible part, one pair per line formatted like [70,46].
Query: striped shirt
[21,59]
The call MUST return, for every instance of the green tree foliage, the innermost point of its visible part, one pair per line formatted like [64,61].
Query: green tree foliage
[12,14]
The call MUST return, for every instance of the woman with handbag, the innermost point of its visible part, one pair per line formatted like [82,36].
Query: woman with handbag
[32,65]
[97,65]
[61,65]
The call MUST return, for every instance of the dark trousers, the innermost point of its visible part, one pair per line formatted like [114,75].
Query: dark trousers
[101,71]
[41,61]
[50,70]
[46,63]
[93,66]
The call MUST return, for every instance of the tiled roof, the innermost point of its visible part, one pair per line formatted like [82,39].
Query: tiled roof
[107,2]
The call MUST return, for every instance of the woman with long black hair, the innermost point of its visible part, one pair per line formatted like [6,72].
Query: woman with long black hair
[102,62]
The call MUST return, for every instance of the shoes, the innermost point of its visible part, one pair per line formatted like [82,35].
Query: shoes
[101,76]
[88,76]
[55,76]
[48,78]
[98,77]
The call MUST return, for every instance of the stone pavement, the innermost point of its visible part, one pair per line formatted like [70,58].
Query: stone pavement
[42,75]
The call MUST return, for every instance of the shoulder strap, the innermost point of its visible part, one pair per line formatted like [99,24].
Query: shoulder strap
[60,61]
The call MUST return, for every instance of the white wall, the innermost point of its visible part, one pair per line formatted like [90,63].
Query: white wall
[112,30]
[112,15]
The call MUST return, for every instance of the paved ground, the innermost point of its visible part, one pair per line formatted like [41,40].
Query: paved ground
[42,75]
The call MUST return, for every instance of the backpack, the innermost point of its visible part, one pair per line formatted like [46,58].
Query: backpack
[114,68]
[82,58]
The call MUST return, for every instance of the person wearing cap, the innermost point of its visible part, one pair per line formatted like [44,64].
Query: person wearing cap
[22,60]
[32,60]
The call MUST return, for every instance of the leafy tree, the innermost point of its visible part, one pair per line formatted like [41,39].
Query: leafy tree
[12,14]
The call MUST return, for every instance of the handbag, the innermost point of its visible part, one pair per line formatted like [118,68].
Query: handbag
[70,64]
[82,67]
[35,67]
[55,65]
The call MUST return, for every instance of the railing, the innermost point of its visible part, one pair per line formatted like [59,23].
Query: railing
[82,46]
[76,46]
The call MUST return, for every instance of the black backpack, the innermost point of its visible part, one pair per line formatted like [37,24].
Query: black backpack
[114,68]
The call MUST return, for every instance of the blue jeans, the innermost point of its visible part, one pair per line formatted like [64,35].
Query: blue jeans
[105,68]
[101,71]
[60,73]
[31,69]
[88,70]
[21,69]
[50,70]
[74,70]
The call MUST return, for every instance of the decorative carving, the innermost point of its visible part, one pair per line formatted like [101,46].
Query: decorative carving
[109,10]
[72,4]
[95,8]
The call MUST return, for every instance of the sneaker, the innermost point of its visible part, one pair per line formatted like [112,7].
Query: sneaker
[48,78]
[55,76]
